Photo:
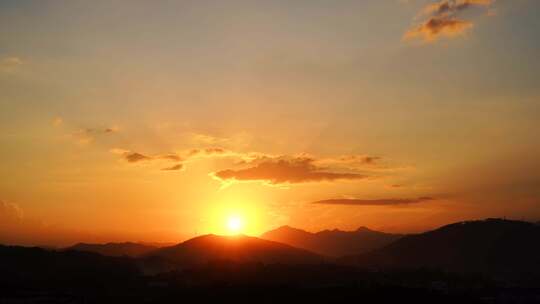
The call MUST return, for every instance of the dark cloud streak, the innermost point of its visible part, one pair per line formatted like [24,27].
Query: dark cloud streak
[373,202]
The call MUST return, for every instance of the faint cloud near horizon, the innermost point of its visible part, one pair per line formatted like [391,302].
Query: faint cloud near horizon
[10,63]
[10,212]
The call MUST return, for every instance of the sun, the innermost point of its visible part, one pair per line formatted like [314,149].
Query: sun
[235,224]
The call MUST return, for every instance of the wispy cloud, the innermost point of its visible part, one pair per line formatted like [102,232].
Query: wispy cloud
[176,167]
[212,151]
[270,169]
[434,28]
[285,170]
[443,19]
[10,64]
[171,157]
[88,135]
[373,202]
[82,136]
[133,157]
[182,157]
[10,212]
[57,121]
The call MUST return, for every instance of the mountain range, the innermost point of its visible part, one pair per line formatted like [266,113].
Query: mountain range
[465,262]
[488,246]
[239,248]
[493,246]
[115,249]
[334,243]
[330,243]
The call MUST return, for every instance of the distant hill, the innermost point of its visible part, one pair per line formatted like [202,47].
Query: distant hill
[115,249]
[41,267]
[244,249]
[332,242]
[488,246]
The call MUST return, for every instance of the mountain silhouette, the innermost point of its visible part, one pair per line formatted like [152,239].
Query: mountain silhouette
[431,267]
[493,246]
[115,249]
[41,267]
[241,248]
[332,242]
[36,275]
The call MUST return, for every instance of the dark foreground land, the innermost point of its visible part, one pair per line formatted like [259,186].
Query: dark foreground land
[34,275]
[491,261]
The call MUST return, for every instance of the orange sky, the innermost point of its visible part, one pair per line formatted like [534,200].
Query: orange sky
[144,121]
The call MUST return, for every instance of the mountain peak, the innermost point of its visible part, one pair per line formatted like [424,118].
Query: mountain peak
[332,242]
[289,228]
[237,248]
[363,229]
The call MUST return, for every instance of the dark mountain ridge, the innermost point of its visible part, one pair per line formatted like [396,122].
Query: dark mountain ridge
[427,268]
[241,248]
[494,246]
[332,242]
[33,265]
[115,249]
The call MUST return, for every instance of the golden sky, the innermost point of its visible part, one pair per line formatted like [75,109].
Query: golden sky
[161,120]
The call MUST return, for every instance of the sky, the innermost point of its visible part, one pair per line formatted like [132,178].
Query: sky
[158,121]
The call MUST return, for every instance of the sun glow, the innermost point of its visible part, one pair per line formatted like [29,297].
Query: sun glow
[236,212]
[235,224]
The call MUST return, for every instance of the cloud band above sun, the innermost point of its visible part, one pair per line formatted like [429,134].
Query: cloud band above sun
[286,171]
[270,169]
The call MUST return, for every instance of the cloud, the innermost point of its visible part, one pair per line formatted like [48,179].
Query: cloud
[174,157]
[446,7]
[171,157]
[373,202]
[285,171]
[362,159]
[57,122]
[241,139]
[181,158]
[176,167]
[10,212]
[434,28]
[93,131]
[271,169]
[10,64]
[370,159]
[87,135]
[442,19]
[219,152]
[365,163]
[82,136]
[208,152]
[134,157]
